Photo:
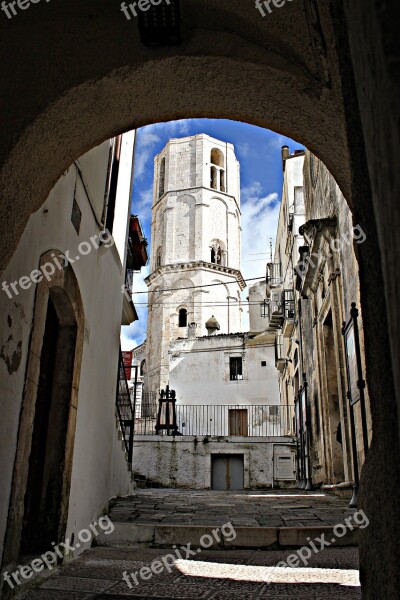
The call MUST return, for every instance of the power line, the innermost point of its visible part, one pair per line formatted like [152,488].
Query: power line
[196,286]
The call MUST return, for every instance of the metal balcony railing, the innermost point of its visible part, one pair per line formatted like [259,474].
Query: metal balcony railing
[226,420]
[288,304]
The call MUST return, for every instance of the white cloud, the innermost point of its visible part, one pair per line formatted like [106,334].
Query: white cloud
[243,149]
[259,224]
[133,335]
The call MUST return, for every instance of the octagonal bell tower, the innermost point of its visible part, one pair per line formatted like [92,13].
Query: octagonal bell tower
[195,251]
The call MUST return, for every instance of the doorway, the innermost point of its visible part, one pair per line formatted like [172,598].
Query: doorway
[44,491]
[227,472]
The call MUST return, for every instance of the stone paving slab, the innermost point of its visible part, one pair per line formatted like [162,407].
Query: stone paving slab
[215,575]
[261,519]
[245,508]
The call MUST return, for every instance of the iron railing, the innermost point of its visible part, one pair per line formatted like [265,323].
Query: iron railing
[124,408]
[226,420]
[288,304]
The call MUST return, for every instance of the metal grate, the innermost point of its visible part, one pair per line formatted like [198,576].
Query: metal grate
[76,216]
[159,25]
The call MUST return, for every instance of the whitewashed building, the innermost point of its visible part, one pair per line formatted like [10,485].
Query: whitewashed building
[231,431]
[63,301]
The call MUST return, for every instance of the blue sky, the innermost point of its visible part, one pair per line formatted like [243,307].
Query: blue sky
[259,153]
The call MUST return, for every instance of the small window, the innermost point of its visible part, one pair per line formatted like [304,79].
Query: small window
[142,367]
[273,411]
[183,317]
[263,363]
[161,185]
[158,258]
[236,368]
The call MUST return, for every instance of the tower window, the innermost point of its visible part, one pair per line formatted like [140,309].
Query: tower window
[142,367]
[218,254]
[235,368]
[183,317]
[217,179]
[158,258]
[214,178]
[161,184]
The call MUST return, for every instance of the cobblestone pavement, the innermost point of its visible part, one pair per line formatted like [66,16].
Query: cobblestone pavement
[283,508]
[216,575]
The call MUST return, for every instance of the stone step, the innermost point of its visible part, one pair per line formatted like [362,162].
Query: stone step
[164,536]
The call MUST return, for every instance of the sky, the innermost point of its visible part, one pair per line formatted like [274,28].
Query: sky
[259,153]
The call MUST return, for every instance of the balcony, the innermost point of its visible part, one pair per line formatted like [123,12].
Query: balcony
[223,420]
[137,246]
[280,361]
[274,275]
[288,313]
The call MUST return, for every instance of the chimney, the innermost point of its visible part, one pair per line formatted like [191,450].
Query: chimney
[192,330]
[285,155]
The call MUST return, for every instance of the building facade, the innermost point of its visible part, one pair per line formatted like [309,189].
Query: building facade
[231,432]
[64,298]
[195,256]
[313,300]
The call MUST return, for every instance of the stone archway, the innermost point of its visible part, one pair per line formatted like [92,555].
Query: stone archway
[87,77]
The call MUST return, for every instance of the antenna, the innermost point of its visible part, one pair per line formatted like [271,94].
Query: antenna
[270,248]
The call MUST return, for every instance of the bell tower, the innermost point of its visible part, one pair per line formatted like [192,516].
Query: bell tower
[195,249]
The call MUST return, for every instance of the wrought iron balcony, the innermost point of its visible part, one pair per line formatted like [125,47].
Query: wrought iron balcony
[224,420]
[288,312]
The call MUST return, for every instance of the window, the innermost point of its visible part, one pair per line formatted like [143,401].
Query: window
[217,180]
[142,367]
[216,255]
[183,317]
[238,421]
[158,258]
[263,363]
[161,184]
[214,178]
[236,368]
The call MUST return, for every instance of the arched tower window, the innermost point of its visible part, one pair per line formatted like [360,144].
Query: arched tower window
[142,368]
[217,170]
[218,254]
[183,317]
[161,182]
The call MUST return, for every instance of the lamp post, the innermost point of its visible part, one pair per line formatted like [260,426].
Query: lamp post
[166,417]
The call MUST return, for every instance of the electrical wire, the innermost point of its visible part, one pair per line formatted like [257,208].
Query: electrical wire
[194,287]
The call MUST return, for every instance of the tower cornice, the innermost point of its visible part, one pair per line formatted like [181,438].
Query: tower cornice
[195,265]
